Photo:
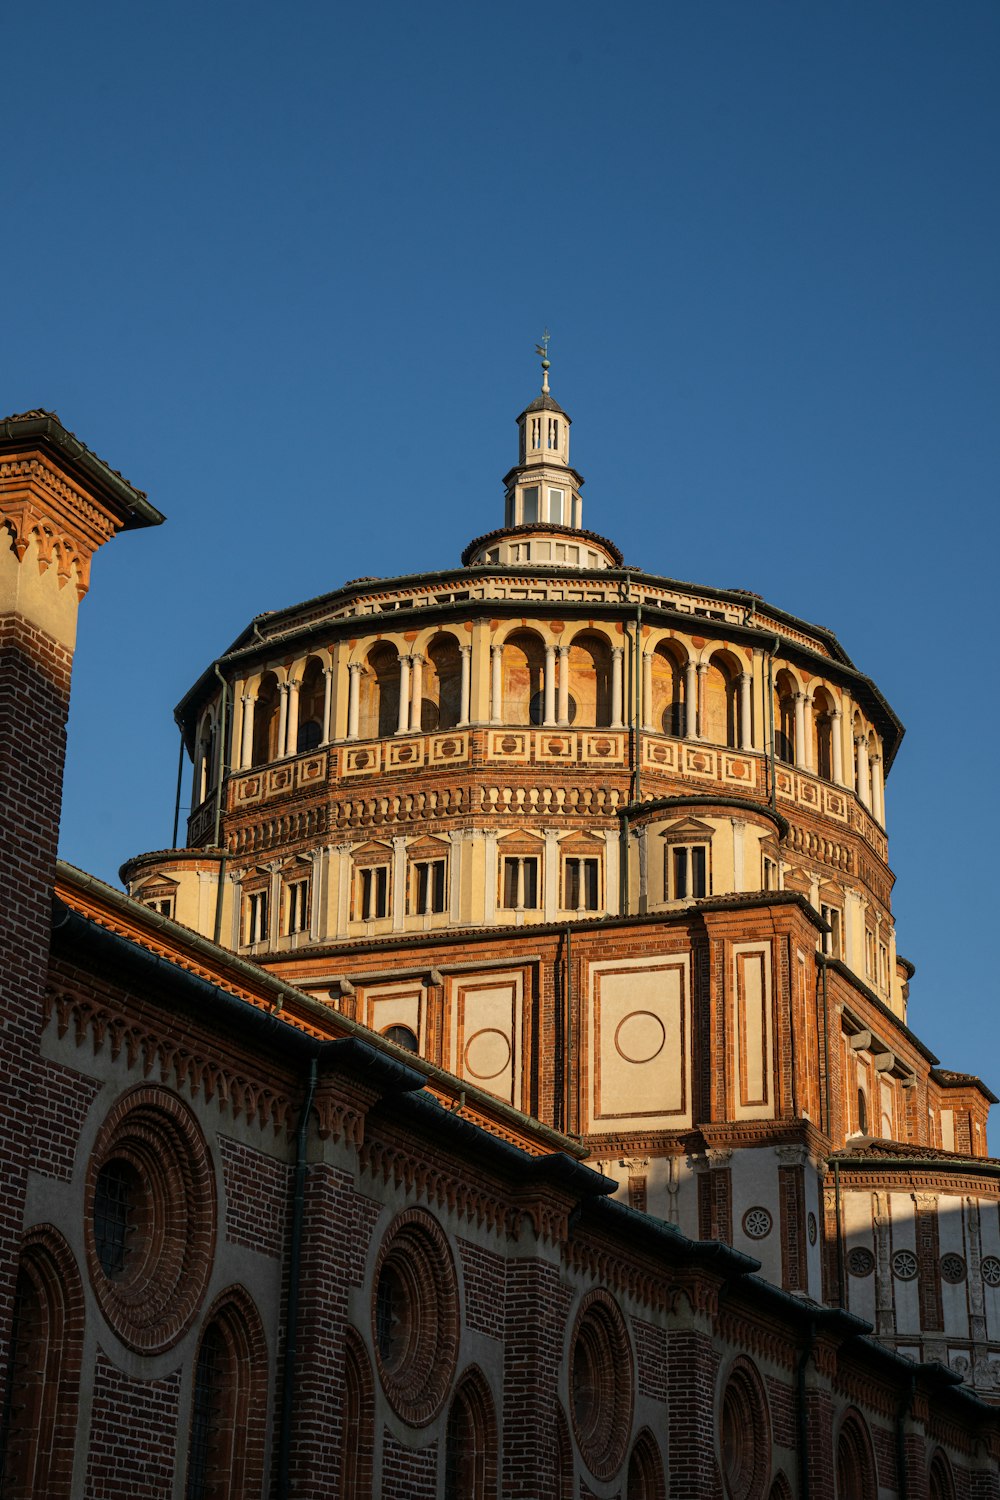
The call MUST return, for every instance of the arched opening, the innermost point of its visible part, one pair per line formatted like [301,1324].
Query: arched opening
[784,717]
[312,697]
[667,710]
[471,1442]
[719,704]
[645,1470]
[228,1402]
[44,1359]
[378,700]
[862,1112]
[590,680]
[523,690]
[441,691]
[855,1461]
[822,729]
[941,1481]
[403,1036]
[265,720]
[359,1412]
[745,1434]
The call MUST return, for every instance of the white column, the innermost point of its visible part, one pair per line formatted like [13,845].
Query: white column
[878,789]
[403,722]
[691,701]
[801,758]
[864,779]
[563,686]
[292,726]
[416,694]
[519,896]
[702,674]
[617,659]
[398,884]
[463,708]
[354,674]
[496,695]
[746,736]
[549,716]
[837,747]
[282,717]
[246,744]
[328,676]
[647,690]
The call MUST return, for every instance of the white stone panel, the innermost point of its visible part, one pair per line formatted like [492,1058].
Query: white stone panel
[952,1240]
[906,1294]
[750,1018]
[639,1043]
[486,1026]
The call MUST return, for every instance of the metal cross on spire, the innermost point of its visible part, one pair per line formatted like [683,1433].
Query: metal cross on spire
[542,349]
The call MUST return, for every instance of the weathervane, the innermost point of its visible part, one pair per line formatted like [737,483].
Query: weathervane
[542,350]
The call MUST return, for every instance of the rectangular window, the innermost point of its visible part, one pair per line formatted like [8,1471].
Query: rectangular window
[297,905]
[869,953]
[520,883]
[427,886]
[556,506]
[373,893]
[256,916]
[581,884]
[529,504]
[163,904]
[770,873]
[883,966]
[832,941]
[687,871]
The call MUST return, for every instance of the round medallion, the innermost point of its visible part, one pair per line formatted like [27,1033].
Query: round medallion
[860,1262]
[904,1265]
[811,1228]
[361,759]
[447,748]
[952,1268]
[991,1270]
[757,1223]
[640,1036]
[487,1054]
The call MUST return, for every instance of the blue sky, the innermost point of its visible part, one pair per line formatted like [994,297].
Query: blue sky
[285,269]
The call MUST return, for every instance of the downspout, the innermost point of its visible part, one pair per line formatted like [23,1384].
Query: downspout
[568,1021]
[637,708]
[177,796]
[770,707]
[840,1236]
[218,803]
[802,1419]
[902,1488]
[294,1278]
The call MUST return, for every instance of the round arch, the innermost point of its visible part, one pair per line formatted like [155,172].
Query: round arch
[312,702]
[378,694]
[855,1459]
[471,1441]
[265,719]
[441,683]
[523,679]
[589,663]
[668,667]
[645,1470]
[720,700]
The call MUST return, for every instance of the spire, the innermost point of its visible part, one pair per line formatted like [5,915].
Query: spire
[542,350]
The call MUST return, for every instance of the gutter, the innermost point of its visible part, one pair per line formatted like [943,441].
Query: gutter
[138,510]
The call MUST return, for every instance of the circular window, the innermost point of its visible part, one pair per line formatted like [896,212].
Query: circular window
[415,1316]
[150,1219]
[991,1270]
[811,1229]
[861,1262]
[600,1366]
[403,1036]
[744,1435]
[952,1268]
[904,1265]
[757,1223]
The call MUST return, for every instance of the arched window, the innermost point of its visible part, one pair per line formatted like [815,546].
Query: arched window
[267,713]
[441,705]
[822,728]
[784,717]
[855,1460]
[719,704]
[228,1404]
[745,1434]
[590,680]
[379,696]
[44,1369]
[470,1455]
[312,699]
[523,679]
[862,1112]
[403,1036]
[359,1410]
[667,712]
[645,1470]
[941,1481]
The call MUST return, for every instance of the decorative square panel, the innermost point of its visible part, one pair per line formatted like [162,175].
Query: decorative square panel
[362,761]
[508,744]
[404,755]
[444,748]
[740,770]
[311,771]
[835,804]
[608,747]
[279,780]
[658,752]
[249,789]
[699,762]
[554,745]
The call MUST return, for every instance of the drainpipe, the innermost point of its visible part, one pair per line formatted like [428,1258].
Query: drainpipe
[802,1419]
[218,802]
[568,1020]
[840,1236]
[637,708]
[177,796]
[902,1487]
[770,707]
[294,1279]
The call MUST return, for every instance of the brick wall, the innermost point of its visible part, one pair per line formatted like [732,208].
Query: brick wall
[133,1435]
